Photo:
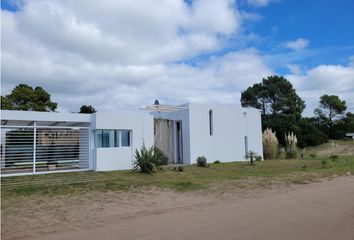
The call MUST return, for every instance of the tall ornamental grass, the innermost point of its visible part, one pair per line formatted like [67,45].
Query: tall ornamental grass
[291,145]
[270,144]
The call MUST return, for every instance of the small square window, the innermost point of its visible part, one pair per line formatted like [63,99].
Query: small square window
[106,138]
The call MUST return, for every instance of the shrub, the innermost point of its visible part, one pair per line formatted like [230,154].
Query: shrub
[252,156]
[291,153]
[334,157]
[323,163]
[202,162]
[270,144]
[217,161]
[163,157]
[258,158]
[309,133]
[313,155]
[147,160]
[180,169]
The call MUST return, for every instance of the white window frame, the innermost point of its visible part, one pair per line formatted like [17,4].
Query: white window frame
[117,135]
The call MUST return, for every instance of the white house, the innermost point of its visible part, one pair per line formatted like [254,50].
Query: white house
[350,135]
[218,132]
[42,142]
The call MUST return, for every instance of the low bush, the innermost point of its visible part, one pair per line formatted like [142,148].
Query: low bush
[180,168]
[291,153]
[217,161]
[252,156]
[202,161]
[323,163]
[334,157]
[313,155]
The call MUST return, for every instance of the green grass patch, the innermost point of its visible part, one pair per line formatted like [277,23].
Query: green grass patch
[192,177]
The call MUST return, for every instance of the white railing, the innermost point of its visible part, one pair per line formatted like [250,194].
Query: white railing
[43,149]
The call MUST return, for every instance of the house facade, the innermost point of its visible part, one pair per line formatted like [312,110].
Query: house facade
[42,142]
[217,132]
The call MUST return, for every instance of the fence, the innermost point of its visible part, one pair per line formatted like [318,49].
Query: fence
[42,149]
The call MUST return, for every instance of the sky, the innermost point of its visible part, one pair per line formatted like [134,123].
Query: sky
[124,54]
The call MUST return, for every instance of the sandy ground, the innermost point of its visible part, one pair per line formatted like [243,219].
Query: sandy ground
[323,210]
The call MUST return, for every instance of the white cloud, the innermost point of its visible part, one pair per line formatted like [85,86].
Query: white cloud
[298,44]
[258,3]
[125,54]
[294,69]
[351,61]
[325,79]
[128,32]
[116,54]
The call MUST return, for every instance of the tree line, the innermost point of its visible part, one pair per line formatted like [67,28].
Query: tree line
[282,109]
[26,98]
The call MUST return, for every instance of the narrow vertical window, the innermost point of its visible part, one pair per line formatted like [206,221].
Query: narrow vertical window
[211,130]
[125,138]
[98,138]
[246,147]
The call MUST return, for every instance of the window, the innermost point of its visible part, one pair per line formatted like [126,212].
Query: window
[211,130]
[125,138]
[98,137]
[112,138]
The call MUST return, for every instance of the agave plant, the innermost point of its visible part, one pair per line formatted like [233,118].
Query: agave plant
[147,160]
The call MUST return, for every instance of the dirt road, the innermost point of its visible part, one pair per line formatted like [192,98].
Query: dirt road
[322,210]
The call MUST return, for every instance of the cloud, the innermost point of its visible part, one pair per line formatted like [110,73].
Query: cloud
[298,44]
[325,79]
[258,3]
[124,31]
[351,61]
[294,69]
[116,54]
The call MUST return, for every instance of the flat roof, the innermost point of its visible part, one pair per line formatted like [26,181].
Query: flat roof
[26,118]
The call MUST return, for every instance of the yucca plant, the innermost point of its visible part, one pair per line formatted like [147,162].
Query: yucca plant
[252,157]
[147,160]
[270,144]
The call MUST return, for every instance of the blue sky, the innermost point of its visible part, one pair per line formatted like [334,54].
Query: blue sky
[327,24]
[178,51]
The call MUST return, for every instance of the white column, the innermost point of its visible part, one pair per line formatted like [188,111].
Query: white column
[34,145]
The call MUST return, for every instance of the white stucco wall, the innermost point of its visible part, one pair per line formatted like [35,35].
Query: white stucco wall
[141,125]
[230,126]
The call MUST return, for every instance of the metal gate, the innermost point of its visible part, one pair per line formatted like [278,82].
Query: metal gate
[43,149]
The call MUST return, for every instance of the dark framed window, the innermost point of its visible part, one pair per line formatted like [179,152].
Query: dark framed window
[125,138]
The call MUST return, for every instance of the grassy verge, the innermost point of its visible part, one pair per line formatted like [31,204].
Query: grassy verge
[192,178]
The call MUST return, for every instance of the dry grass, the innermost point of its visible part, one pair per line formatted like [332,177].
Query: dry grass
[333,147]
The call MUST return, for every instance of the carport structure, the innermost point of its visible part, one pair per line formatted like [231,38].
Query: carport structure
[37,142]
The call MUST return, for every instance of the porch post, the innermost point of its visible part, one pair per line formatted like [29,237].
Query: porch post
[34,145]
